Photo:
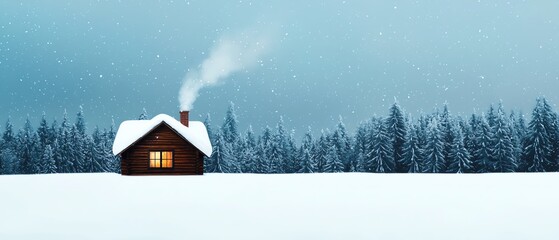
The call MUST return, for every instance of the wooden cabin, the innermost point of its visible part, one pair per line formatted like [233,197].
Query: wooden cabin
[162,146]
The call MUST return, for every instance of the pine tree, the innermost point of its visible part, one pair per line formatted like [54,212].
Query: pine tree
[48,163]
[321,148]
[9,160]
[538,145]
[64,153]
[520,130]
[491,116]
[422,129]
[230,142]
[446,122]
[342,142]
[8,136]
[381,156]
[27,149]
[503,159]
[552,126]
[6,148]
[44,133]
[397,134]
[360,148]
[143,115]
[264,146]
[99,159]
[113,162]
[333,163]
[82,142]
[291,161]
[249,153]
[470,141]
[229,128]
[459,155]
[210,162]
[307,162]
[277,152]
[226,162]
[413,153]
[435,148]
[482,155]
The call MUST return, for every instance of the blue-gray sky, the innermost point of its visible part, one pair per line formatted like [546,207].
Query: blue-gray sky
[325,58]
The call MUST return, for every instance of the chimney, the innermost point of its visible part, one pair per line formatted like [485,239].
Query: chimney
[184,118]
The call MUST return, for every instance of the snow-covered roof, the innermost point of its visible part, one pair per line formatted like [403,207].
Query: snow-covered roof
[131,131]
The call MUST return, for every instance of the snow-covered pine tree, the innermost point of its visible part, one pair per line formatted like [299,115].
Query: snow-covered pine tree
[9,160]
[520,130]
[422,128]
[446,122]
[99,161]
[231,140]
[397,133]
[210,162]
[264,146]
[44,134]
[308,163]
[552,125]
[434,149]
[491,116]
[538,148]
[229,129]
[292,160]
[381,155]
[482,155]
[333,163]
[143,115]
[502,150]
[226,161]
[53,134]
[249,152]
[321,148]
[358,163]
[7,150]
[413,151]
[218,153]
[82,145]
[8,135]
[64,153]
[27,149]
[459,161]
[277,154]
[48,164]
[113,162]
[470,140]
[342,142]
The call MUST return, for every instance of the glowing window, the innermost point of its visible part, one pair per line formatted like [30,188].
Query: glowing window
[161,159]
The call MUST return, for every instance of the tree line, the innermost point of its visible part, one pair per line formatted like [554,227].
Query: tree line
[57,148]
[495,141]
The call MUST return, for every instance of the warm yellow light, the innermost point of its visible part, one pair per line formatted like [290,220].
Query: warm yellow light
[163,159]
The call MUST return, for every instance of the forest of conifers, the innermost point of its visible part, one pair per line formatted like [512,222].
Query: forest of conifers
[494,141]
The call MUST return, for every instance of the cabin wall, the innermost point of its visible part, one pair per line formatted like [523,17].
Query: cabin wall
[187,159]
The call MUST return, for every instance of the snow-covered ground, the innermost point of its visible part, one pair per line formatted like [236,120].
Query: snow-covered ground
[312,206]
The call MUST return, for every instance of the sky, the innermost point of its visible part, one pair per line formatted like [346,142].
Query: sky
[322,59]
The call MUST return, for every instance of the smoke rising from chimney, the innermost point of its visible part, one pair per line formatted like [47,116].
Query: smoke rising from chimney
[228,55]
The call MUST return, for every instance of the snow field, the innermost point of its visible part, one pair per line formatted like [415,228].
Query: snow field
[301,206]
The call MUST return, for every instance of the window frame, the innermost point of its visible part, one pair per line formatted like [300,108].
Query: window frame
[161,159]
